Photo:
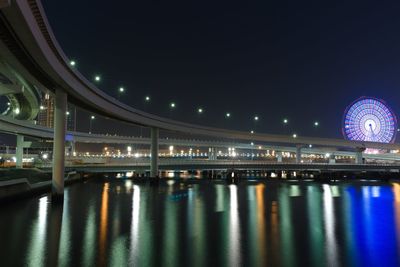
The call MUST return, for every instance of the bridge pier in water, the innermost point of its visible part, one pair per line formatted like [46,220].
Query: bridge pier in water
[19,152]
[154,152]
[60,125]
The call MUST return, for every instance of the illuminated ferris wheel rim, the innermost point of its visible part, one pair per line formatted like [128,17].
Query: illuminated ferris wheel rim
[369,119]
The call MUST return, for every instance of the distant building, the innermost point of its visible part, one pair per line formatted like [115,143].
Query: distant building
[46,114]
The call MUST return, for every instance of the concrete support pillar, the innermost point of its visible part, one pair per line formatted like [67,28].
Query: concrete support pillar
[60,126]
[298,154]
[154,153]
[72,148]
[279,156]
[212,153]
[19,151]
[359,156]
[332,159]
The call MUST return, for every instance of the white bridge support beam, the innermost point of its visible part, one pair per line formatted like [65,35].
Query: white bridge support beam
[298,154]
[332,159]
[279,156]
[212,155]
[60,126]
[359,156]
[19,152]
[154,152]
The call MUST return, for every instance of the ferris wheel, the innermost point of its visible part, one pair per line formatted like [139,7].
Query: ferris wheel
[369,119]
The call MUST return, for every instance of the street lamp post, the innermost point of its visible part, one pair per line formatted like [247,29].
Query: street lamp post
[228,115]
[256,118]
[172,106]
[90,123]
[121,90]
[285,123]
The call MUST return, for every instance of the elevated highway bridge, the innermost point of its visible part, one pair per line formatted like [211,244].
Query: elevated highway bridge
[29,49]
[18,127]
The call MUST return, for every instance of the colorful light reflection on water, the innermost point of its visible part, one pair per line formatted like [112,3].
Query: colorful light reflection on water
[206,224]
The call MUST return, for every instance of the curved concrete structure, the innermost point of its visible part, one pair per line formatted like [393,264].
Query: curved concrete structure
[24,98]
[29,46]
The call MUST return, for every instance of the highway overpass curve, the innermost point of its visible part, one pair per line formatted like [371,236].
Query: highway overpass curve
[27,43]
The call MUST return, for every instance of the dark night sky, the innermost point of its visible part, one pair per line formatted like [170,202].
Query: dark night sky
[302,61]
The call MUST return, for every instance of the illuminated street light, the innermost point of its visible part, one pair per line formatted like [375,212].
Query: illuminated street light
[67,113]
[285,121]
[252,132]
[147,98]
[294,135]
[121,89]
[310,146]
[199,110]
[72,63]
[41,107]
[172,105]
[256,118]
[228,115]
[316,123]
[90,123]
[97,78]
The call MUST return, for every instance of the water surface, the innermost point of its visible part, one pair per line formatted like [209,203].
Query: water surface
[120,223]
